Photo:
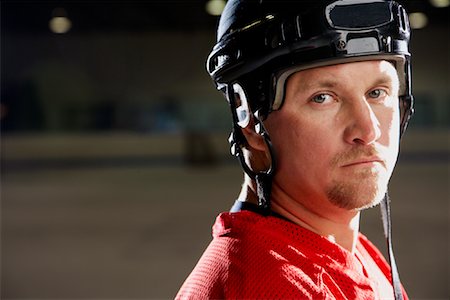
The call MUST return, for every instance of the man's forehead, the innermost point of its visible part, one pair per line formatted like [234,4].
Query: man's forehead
[379,64]
[330,75]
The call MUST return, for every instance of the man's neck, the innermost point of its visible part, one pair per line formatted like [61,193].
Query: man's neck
[339,226]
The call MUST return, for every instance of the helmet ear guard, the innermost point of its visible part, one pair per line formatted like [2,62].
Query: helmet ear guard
[242,108]
[406,100]
[406,112]
[241,115]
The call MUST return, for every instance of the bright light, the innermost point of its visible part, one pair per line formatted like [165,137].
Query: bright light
[215,7]
[440,3]
[418,20]
[60,24]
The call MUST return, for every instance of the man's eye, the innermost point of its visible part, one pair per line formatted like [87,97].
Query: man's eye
[321,98]
[377,93]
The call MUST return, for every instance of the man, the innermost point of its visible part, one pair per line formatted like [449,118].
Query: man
[320,94]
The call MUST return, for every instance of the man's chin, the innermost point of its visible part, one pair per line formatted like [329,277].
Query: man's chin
[370,204]
[350,198]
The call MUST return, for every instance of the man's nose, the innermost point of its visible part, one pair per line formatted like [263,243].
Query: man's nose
[364,126]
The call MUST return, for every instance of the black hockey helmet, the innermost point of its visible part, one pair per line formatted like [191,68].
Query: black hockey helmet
[260,43]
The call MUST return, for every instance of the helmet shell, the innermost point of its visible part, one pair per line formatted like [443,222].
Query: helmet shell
[260,43]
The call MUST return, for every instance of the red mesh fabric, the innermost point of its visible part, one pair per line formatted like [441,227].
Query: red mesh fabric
[257,257]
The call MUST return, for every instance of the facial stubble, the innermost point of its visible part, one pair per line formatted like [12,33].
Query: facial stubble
[363,187]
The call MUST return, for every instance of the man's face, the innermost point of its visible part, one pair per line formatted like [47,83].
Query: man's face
[336,136]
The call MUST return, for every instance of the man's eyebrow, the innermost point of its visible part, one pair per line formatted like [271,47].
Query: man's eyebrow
[321,83]
[384,79]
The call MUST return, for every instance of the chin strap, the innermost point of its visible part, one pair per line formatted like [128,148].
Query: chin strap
[264,189]
[237,141]
[264,179]
[387,226]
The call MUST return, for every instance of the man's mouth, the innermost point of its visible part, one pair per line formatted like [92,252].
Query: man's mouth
[365,161]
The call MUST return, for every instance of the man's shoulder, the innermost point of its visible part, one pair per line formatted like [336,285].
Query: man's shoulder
[263,254]
[246,239]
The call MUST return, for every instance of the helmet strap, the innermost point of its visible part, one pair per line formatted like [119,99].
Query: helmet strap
[387,226]
[264,189]
[237,141]
[264,179]
[406,105]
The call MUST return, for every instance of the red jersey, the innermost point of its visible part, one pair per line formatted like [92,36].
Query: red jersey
[265,257]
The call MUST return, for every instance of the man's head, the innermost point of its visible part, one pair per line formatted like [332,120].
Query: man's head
[271,52]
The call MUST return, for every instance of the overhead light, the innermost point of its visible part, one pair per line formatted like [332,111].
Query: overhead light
[215,7]
[59,23]
[418,20]
[440,3]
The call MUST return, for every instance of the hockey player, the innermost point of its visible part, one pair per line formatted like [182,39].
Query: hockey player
[320,95]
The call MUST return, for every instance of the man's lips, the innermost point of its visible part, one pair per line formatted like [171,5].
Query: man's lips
[364,161]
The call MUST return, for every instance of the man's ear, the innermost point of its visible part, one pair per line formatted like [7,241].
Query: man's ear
[254,139]
[256,151]
[246,120]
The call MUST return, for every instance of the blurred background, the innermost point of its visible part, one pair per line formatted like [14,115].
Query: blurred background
[114,154]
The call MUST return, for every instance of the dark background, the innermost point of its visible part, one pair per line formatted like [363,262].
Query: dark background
[114,159]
